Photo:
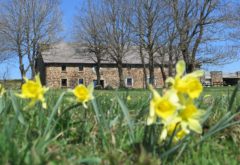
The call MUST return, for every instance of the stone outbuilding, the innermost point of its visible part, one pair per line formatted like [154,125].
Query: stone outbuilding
[218,78]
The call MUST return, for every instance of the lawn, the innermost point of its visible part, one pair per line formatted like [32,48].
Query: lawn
[112,130]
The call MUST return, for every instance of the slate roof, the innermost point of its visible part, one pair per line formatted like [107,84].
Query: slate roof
[76,53]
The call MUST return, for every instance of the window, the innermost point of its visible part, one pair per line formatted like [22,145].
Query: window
[64,83]
[151,82]
[94,69]
[129,82]
[80,68]
[148,80]
[64,68]
[80,81]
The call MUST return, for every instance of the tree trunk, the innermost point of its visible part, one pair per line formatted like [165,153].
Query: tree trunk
[144,67]
[163,74]
[33,58]
[21,68]
[170,60]
[189,64]
[98,72]
[33,70]
[170,67]
[189,67]
[21,65]
[151,68]
[120,74]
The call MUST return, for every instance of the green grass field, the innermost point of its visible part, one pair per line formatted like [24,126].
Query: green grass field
[111,131]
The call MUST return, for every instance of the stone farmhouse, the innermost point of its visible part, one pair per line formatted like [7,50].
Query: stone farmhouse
[67,65]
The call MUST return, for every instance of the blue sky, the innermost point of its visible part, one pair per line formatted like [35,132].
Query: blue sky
[69,9]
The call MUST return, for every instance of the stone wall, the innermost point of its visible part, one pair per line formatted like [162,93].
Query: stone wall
[40,68]
[54,75]
[216,78]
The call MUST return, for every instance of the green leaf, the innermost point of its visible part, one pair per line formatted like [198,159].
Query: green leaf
[113,122]
[127,117]
[90,160]
[55,109]
[100,122]
[233,96]
[16,108]
[2,104]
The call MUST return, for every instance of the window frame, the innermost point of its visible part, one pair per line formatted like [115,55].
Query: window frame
[64,68]
[80,68]
[79,81]
[62,82]
[126,82]
[154,81]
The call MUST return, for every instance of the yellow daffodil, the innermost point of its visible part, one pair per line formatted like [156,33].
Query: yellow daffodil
[190,116]
[129,98]
[173,127]
[33,89]
[163,107]
[2,90]
[189,83]
[206,96]
[176,108]
[83,93]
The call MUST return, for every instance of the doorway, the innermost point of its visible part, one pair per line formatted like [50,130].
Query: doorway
[101,83]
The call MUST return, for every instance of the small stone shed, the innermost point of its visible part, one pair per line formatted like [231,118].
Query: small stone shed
[218,78]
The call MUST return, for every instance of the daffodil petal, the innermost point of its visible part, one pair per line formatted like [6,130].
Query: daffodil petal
[180,68]
[44,105]
[172,96]
[196,74]
[151,120]
[37,79]
[151,110]
[195,125]
[163,135]
[154,92]
[25,79]
[85,105]
[170,80]
[184,127]
[91,87]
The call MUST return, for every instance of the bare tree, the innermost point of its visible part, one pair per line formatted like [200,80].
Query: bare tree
[168,54]
[13,28]
[26,25]
[117,32]
[3,55]
[149,25]
[138,39]
[171,45]
[88,29]
[196,22]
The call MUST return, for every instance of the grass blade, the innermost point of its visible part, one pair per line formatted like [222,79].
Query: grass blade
[233,96]
[55,109]
[127,117]
[16,108]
